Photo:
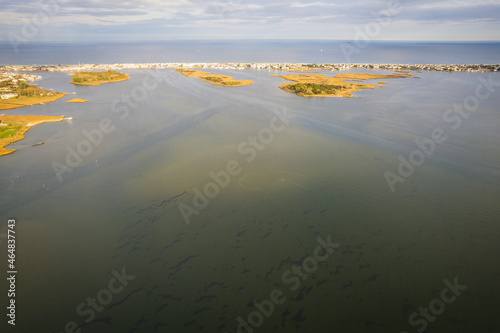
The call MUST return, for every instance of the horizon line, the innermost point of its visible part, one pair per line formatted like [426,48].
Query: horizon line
[253,39]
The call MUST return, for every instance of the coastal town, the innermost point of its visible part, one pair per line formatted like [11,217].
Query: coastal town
[261,66]
[14,77]
[9,82]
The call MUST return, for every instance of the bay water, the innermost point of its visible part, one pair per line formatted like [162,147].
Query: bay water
[316,174]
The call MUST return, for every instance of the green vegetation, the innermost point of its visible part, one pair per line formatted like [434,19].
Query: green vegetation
[221,81]
[215,79]
[9,130]
[310,89]
[22,89]
[97,78]
[13,128]
[231,83]
[18,93]
[341,85]
[26,95]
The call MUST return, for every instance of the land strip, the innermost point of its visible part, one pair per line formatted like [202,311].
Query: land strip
[13,128]
[98,78]
[215,79]
[265,66]
[318,85]
[16,92]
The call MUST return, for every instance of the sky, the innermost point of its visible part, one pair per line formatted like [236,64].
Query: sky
[143,20]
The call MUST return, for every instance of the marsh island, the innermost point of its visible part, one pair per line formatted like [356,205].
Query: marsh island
[98,78]
[12,128]
[215,79]
[340,85]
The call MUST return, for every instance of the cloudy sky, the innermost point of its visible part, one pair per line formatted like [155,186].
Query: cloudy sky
[110,20]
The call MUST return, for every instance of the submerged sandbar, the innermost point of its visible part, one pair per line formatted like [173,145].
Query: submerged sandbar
[77,100]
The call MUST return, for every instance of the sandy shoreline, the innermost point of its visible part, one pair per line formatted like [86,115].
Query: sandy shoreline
[19,125]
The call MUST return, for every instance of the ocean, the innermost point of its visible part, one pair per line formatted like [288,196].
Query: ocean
[284,51]
[201,208]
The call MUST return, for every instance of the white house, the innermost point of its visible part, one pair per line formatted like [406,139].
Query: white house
[8,95]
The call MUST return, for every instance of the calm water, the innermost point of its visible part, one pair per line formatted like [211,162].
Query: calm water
[321,175]
[316,51]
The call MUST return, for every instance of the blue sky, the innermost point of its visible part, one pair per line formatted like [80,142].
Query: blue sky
[118,20]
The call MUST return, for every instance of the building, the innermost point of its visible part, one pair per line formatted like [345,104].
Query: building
[8,95]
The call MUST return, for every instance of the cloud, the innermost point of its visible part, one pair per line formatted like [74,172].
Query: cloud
[280,18]
[470,12]
[100,13]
